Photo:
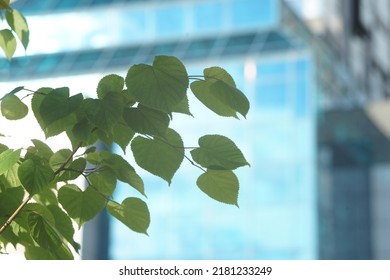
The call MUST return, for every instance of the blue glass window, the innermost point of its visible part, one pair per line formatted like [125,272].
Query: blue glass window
[271,95]
[170,21]
[208,16]
[251,13]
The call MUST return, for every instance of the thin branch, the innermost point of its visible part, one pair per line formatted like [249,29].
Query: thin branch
[27,199]
[9,221]
[61,168]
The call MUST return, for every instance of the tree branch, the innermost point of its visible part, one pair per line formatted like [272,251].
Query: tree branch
[27,199]
[10,219]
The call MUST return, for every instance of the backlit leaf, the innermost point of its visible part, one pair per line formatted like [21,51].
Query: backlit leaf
[160,156]
[110,84]
[160,86]
[133,212]
[18,23]
[7,159]
[104,113]
[7,43]
[122,135]
[104,181]
[218,152]
[221,185]
[12,108]
[218,92]
[35,176]
[82,206]
[146,121]
[123,170]
[63,225]
[43,232]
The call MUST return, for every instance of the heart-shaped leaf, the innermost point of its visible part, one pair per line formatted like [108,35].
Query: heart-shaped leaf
[18,24]
[7,43]
[219,93]
[35,176]
[12,108]
[133,212]
[218,152]
[160,156]
[221,185]
[82,206]
[160,86]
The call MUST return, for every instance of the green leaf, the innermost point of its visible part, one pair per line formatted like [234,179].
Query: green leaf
[13,92]
[160,156]
[75,168]
[18,24]
[38,253]
[43,150]
[43,232]
[58,126]
[63,225]
[7,159]
[7,43]
[218,92]
[57,105]
[218,152]
[35,176]
[4,5]
[104,113]
[39,209]
[104,181]
[160,86]
[11,176]
[122,135]
[82,206]
[133,212]
[12,108]
[59,158]
[122,170]
[10,200]
[110,84]
[146,121]
[183,107]
[221,185]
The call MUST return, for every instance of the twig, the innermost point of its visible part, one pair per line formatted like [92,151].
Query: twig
[9,221]
[27,199]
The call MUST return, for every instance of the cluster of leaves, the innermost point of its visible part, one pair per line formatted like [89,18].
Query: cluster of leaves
[39,200]
[17,26]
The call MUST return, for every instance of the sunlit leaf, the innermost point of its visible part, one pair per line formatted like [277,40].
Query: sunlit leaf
[221,185]
[133,212]
[82,206]
[110,84]
[160,156]
[12,108]
[218,92]
[104,113]
[63,225]
[43,232]
[160,86]
[59,158]
[122,135]
[218,152]
[104,181]
[122,170]
[34,176]
[146,121]
[7,43]
[7,159]
[18,23]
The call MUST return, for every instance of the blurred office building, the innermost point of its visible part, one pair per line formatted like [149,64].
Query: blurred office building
[316,136]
